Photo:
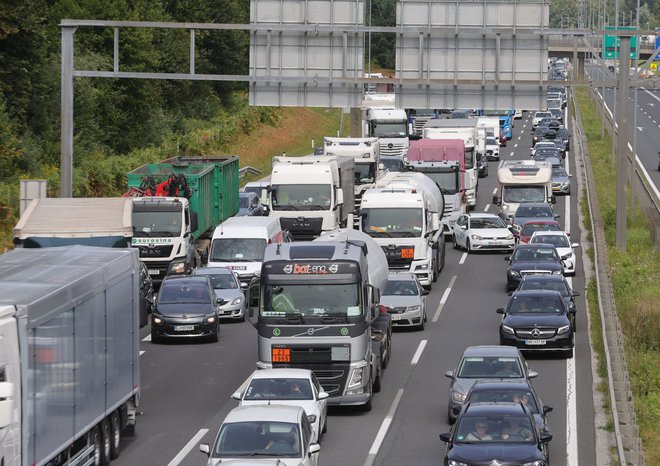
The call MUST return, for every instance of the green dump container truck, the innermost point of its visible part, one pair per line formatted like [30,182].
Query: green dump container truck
[176,205]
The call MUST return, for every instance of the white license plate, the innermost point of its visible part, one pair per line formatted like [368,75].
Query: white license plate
[153,272]
[396,317]
[535,342]
[183,328]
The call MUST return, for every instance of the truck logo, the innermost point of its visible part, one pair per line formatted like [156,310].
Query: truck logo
[344,331]
[310,269]
[276,332]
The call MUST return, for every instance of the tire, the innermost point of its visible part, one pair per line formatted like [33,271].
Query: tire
[96,440]
[215,337]
[568,354]
[451,419]
[377,385]
[456,246]
[106,438]
[574,323]
[115,432]
[325,426]
[367,406]
[442,260]
[386,360]
[420,327]
[156,339]
[467,246]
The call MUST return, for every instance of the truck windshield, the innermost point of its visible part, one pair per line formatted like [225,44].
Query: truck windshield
[448,180]
[522,193]
[389,129]
[237,250]
[301,197]
[393,223]
[309,300]
[156,223]
[364,173]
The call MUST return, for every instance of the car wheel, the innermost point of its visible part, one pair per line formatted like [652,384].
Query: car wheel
[157,339]
[456,246]
[568,354]
[450,417]
[386,359]
[367,406]
[468,247]
[115,432]
[214,337]
[574,323]
[421,322]
[436,270]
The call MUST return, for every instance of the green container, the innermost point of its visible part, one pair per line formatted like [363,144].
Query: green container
[213,182]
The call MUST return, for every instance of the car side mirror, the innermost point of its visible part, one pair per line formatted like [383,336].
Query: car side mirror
[323,396]
[205,448]
[500,310]
[557,216]
[315,448]
[547,409]
[532,374]
[575,245]
[445,437]
[496,200]
[237,396]
[425,292]
[507,258]
[545,437]
[575,293]
[449,374]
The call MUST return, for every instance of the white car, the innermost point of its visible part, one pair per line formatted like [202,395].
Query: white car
[517,114]
[563,245]
[264,434]
[295,387]
[538,116]
[492,148]
[405,298]
[481,232]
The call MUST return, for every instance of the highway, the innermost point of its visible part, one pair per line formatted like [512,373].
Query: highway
[187,387]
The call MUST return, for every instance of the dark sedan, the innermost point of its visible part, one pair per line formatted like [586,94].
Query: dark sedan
[492,434]
[531,211]
[531,259]
[185,308]
[555,283]
[537,320]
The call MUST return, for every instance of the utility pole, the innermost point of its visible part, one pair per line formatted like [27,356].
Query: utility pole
[622,144]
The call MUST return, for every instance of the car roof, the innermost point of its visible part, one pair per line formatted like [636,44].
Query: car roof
[184,278]
[541,222]
[401,276]
[535,246]
[517,384]
[213,271]
[544,277]
[536,293]
[272,412]
[282,373]
[481,215]
[491,350]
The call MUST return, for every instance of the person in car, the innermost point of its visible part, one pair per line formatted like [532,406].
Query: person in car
[516,432]
[480,432]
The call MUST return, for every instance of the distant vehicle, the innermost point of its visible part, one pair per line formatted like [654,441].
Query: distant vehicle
[537,320]
[528,211]
[405,299]
[292,387]
[538,116]
[185,308]
[279,433]
[552,282]
[528,228]
[392,163]
[561,181]
[562,243]
[482,231]
[531,259]
[230,300]
[492,149]
[503,433]
[517,114]
[482,165]
[460,114]
[260,188]
[249,205]
[484,363]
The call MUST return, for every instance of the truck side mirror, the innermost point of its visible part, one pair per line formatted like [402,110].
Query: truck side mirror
[193,221]
[340,196]
[435,221]
[6,403]
[496,200]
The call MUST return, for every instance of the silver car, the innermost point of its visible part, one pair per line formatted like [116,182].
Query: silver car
[405,299]
[561,181]
[230,299]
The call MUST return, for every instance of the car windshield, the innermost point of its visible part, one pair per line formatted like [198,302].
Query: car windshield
[279,389]
[532,211]
[262,438]
[476,367]
[192,293]
[504,395]
[534,254]
[400,288]
[237,250]
[494,428]
[530,228]
[491,222]
[559,172]
[307,300]
[554,285]
[535,305]
[392,222]
[558,241]
[222,281]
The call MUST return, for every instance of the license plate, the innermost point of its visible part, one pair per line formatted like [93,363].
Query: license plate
[396,317]
[183,328]
[535,342]
[153,272]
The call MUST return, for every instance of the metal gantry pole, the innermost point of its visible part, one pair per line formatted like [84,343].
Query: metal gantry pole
[66,114]
[634,145]
[622,144]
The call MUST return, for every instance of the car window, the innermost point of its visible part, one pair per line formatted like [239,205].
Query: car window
[535,305]
[279,389]
[530,228]
[554,285]
[224,281]
[265,438]
[559,241]
[482,367]
[400,288]
[494,222]
[508,395]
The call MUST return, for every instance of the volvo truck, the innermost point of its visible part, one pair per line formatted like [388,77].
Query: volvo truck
[521,181]
[69,354]
[319,310]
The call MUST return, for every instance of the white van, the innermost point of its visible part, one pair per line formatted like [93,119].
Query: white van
[238,243]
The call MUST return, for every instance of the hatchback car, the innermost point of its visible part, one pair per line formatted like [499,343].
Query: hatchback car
[531,259]
[492,148]
[294,387]
[528,228]
[483,363]
[496,434]
[264,434]
[230,299]
[538,116]
[562,243]
[405,299]
[561,181]
[482,231]
[537,320]
[185,308]
[249,205]
[531,211]
[556,283]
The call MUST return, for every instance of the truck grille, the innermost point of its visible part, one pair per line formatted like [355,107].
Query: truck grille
[155,251]
[419,123]
[398,149]
[302,228]
[399,257]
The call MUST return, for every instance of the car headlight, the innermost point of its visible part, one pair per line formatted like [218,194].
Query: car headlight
[414,308]
[507,329]
[458,397]
[357,376]
[210,319]
[237,301]
[514,273]
[557,272]
[509,237]
[158,320]
[456,463]
[177,267]
[566,183]
[477,237]
[564,329]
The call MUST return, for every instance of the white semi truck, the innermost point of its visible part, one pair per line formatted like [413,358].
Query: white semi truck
[319,310]
[383,120]
[522,181]
[69,354]
[402,213]
[312,194]
[465,129]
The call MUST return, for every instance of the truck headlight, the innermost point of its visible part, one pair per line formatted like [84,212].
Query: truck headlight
[177,267]
[358,376]
[507,329]
[422,267]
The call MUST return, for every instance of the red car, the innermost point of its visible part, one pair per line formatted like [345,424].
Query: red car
[502,139]
[530,227]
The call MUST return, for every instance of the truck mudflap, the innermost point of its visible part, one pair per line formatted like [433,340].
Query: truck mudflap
[302,228]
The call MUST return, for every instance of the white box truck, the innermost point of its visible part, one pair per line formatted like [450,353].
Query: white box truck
[522,181]
[312,194]
[69,354]
[402,213]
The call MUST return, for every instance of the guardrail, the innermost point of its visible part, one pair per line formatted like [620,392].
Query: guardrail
[626,430]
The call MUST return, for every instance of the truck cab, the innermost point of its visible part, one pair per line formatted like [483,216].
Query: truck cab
[521,181]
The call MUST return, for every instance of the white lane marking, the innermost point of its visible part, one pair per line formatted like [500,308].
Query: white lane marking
[571,413]
[147,338]
[443,300]
[463,257]
[495,191]
[652,95]
[384,427]
[487,207]
[142,352]
[515,145]
[418,353]
[189,446]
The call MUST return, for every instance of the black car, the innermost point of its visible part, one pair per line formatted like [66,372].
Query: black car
[552,282]
[185,308]
[146,295]
[531,259]
[557,113]
[537,320]
[496,433]
[482,166]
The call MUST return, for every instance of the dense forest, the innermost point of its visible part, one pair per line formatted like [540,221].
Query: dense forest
[121,123]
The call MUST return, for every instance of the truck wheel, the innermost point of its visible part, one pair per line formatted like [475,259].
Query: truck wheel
[436,267]
[107,440]
[325,426]
[96,440]
[366,406]
[115,432]
[377,384]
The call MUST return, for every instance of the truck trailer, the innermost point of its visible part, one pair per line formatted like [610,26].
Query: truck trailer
[173,232]
[319,310]
[69,354]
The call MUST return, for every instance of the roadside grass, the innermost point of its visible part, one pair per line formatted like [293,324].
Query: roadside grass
[635,276]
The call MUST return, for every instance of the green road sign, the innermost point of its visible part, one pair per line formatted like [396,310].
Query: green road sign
[612,44]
